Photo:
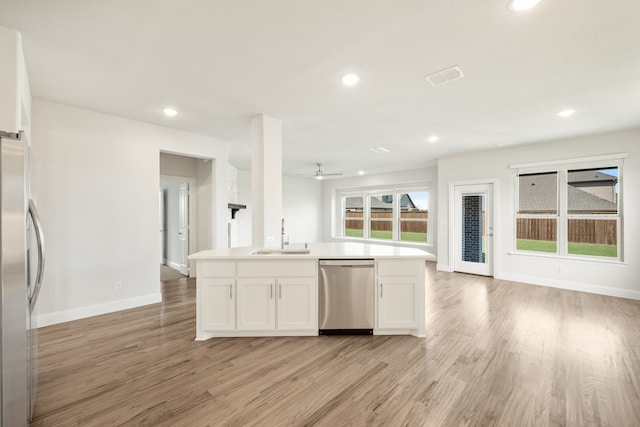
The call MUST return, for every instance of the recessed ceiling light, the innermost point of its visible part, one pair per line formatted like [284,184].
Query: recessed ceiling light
[360,172]
[350,79]
[170,112]
[566,113]
[519,5]
[432,138]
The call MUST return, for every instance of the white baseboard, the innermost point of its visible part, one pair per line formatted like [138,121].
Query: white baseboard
[442,267]
[173,265]
[96,309]
[571,286]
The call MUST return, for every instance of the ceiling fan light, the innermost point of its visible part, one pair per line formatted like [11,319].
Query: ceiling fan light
[319,177]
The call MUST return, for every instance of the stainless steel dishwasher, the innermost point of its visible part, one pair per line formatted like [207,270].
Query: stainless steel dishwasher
[346,297]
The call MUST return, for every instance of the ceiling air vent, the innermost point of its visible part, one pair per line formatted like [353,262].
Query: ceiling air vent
[445,76]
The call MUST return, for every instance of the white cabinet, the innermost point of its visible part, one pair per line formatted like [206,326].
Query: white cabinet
[277,304]
[216,304]
[400,289]
[297,304]
[256,304]
[258,298]
[397,303]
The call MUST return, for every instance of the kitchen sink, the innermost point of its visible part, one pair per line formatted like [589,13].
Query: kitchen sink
[276,251]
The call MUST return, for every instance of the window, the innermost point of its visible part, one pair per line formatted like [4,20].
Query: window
[381,217]
[414,215]
[570,210]
[399,215]
[592,212]
[353,224]
[537,219]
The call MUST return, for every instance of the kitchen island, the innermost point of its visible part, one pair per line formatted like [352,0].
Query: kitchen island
[247,292]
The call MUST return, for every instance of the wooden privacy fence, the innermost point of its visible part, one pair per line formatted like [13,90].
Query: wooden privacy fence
[595,231]
[413,222]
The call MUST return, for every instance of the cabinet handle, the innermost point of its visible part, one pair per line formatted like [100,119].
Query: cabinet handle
[271,294]
[280,290]
[230,291]
[381,290]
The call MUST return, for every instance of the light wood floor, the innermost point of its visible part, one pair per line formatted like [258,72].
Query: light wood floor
[497,353]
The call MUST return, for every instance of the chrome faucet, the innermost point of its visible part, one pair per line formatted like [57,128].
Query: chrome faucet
[282,242]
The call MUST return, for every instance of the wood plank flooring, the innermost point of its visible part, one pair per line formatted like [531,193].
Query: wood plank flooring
[497,353]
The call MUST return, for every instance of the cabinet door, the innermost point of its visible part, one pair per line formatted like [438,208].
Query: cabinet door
[217,307]
[397,303]
[256,304]
[297,304]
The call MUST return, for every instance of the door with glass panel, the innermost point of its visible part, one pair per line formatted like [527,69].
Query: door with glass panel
[473,224]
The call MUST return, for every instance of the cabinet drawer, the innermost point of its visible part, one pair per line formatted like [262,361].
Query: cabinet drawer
[404,267]
[216,269]
[270,268]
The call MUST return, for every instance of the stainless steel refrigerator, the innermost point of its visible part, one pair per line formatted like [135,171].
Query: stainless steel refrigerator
[21,267]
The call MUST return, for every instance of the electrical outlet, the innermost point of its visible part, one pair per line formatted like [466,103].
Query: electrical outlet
[117,286]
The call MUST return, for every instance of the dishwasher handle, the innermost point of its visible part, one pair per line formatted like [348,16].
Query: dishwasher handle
[346,263]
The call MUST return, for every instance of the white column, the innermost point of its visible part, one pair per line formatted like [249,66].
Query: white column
[266,180]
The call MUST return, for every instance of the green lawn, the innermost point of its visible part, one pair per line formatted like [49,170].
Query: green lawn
[574,248]
[386,235]
[536,245]
[593,249]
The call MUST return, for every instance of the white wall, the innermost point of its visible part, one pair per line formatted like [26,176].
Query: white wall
[243,217]
[301,209]
[331,207]
[618,279]
[15,108]
[98,196]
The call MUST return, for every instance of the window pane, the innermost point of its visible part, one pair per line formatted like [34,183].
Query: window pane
[537,234]
[593,191]
[353,221]
[473,228]
[538,193]
[593,237]
[413,216]
[381,214]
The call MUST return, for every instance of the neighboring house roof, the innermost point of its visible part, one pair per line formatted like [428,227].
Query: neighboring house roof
[539,193]
[380,203]
[580,177]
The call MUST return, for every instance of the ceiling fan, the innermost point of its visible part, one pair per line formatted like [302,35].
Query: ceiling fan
[319,174]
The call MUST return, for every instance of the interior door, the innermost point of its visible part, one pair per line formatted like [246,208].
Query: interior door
[183,227]
[161,219]
[473,222]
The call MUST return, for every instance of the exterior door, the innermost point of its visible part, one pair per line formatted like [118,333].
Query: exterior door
[473,222]
[183,227]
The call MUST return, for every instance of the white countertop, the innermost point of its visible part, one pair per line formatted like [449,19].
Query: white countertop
[333,250]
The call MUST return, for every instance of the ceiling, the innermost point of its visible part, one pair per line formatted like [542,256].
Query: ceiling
[219,63]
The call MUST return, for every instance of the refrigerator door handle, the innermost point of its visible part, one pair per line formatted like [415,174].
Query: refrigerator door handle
[40,239]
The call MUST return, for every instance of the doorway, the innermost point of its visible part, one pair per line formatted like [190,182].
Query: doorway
[473,229]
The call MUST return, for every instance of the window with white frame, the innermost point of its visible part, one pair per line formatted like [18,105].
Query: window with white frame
[570,209]
[399,214]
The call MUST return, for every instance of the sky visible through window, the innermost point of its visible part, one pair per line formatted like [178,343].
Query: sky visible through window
[420,199]
[613,172]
